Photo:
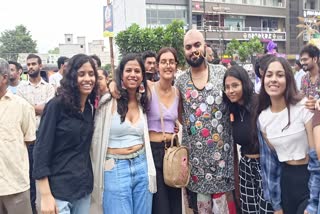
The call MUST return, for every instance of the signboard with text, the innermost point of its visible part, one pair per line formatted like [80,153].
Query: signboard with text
[108,21]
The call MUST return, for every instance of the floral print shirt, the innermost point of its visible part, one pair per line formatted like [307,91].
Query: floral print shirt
[207,133]
[309,88]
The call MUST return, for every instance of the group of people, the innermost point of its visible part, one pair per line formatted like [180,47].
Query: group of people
[98,146]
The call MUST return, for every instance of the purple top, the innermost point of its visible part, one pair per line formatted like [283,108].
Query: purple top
[170,115]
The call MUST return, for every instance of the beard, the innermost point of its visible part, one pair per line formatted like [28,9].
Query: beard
[195,63]
[34,74]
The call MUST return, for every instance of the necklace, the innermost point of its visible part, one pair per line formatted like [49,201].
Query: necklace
[242,113]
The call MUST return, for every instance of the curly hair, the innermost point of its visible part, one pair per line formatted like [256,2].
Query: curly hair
[122,102]
[69,90]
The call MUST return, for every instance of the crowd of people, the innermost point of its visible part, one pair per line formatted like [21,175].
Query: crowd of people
[89,144]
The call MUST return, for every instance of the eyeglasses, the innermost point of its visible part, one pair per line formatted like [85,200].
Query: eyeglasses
[168,62]
[234,86]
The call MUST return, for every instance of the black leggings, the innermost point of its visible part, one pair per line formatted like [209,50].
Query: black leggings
[294,188]
[167,199]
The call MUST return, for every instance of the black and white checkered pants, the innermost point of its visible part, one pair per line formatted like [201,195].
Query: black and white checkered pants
[251,193]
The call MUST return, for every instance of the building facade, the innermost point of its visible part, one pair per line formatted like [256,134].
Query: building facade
[70,48]
[223,20]
[98,48]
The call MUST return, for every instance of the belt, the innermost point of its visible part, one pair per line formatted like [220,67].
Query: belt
[128,156]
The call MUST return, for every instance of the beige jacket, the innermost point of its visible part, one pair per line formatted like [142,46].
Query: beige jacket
[99,150]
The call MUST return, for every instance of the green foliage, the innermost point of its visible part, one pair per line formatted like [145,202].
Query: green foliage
[56,50]
[107,67]
[137,40]
[244,49]
[232,47]
[13,42]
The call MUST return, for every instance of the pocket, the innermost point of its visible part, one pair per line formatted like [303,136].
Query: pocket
[109,164]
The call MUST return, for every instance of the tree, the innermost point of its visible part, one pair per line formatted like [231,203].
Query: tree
[245,50]
[13,42]
[56,50]
[137,40]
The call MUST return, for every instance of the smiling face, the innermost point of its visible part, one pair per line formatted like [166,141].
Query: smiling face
[86,79]
[132,75]
[275,80]
[308,62]
[233,89]
[167,65]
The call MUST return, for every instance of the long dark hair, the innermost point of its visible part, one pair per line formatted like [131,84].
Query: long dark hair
[291,94]
[122,107]
[69,89]
[241,74]
[248,97]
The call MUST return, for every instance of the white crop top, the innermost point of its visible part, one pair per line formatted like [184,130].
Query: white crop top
[292,142]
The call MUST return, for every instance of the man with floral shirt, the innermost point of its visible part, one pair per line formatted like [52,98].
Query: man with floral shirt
[206,130]
[310,82]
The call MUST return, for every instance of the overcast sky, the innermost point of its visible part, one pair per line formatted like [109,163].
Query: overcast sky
[49,20]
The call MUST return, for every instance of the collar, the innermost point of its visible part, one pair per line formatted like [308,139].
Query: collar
[42,82]
[7,95]
[104,99]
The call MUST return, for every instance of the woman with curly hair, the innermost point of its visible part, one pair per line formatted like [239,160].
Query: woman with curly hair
[62,164]
[125,175]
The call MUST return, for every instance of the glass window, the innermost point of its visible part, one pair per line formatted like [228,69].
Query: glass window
[165,14]
[254,2]
[310,4]
[234,1]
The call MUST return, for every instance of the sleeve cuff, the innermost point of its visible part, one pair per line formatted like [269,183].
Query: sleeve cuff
[311,209]
[276,207]
[41,173]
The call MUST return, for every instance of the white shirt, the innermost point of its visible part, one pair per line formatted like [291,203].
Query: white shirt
[298,76]
[290,143]
[54,79]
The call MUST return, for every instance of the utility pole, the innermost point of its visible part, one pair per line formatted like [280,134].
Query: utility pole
[204,21]
[111,47]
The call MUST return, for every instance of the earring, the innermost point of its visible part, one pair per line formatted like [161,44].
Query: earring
[122,86]
[141,88]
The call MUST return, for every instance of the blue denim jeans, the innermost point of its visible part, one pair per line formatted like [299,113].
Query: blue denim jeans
[126,187]
[80,206]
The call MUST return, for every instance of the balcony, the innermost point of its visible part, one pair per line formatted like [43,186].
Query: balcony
[245,33]
[238,9]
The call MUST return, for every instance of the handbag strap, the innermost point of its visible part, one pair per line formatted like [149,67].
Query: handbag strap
[161,114]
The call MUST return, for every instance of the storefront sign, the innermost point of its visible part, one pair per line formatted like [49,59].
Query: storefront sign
[272,36]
